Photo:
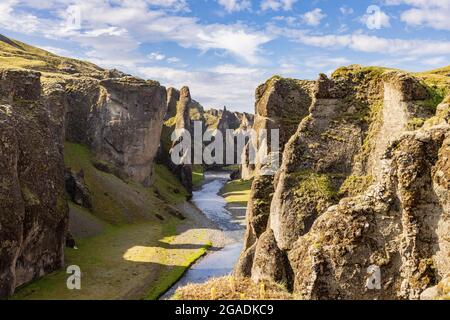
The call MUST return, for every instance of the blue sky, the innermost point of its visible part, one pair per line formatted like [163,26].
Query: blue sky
[222,49]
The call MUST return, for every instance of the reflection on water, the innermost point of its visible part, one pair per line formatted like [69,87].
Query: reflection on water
[219,263]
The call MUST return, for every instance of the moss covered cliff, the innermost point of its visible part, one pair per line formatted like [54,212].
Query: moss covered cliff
[361,184]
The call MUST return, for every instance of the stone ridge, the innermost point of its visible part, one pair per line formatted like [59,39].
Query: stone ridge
[352,141]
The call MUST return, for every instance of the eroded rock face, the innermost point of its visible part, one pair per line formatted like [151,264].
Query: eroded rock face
[120,119]
[126,125]
[280,104]
[77,189]
[397,226]
[350,121]
[33,211]
[357,190]
[183,122]
[270,262]
[173,96]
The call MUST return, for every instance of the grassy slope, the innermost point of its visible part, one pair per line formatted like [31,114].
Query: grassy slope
[126,213]
[237,192]
[16,54]
[136,255]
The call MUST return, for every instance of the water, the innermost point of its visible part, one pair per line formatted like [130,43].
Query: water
[208,200]
[218,263]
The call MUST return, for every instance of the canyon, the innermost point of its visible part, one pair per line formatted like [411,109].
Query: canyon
[364,181]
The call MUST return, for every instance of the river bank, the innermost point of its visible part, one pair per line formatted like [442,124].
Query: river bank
[141,260]
[210,198]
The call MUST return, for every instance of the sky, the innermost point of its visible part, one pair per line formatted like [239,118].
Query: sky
[222,49]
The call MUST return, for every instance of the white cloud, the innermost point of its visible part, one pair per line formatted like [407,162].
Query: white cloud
[237,85]
[367,43]
[430,13]
[345,10]
[57,51]
[313,17]
[16,20]
[276,5]
[235,5]
[173,60]
[156,56]
[232,69]
[309,65]
[437,61]
[133,22]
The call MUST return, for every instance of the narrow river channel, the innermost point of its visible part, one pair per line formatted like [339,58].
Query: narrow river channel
[214,206]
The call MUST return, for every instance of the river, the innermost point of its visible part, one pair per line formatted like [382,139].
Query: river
[213,205]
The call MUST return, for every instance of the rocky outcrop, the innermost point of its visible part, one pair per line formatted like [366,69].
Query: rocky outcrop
[183,122]
[280,104]
[356,192]
[33,211]
[173,96]
[118,118]
[77,188]
[124,123]
[339,140]
[439,292]
[400,226]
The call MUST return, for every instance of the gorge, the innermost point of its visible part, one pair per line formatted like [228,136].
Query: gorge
[364,182]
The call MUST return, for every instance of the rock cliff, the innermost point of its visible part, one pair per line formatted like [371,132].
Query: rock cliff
[33,211]
[358,188]
[47,100]
[280,104]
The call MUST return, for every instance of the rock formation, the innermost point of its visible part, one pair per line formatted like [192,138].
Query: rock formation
[181,114]
[183,122]
[173,96]
[357,191]
[118,117]
[280,104]
[33,211]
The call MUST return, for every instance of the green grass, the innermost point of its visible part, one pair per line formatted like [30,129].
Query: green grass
[117,201]
[231,167]
[355,185]
[168,278]
[370,71]
[136,255]
[197,175]
[120,260]
[313,183]
[16,54]
[415,123]
[237,192]
[170,188]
